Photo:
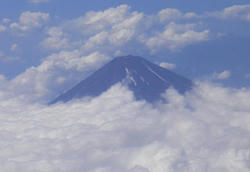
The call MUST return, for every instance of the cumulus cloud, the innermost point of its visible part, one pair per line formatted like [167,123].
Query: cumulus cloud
[120,28]
[234,12]
[167,65]
[170,14]
[205,130]
[175,36]
[112,27]
[96,21]
[241,12]
[222,76]
[29,20]
[56,39]
[57,73]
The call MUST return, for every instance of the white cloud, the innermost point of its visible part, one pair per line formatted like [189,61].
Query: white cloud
[190,15]
[112,27]
[222,76]
[176,36]
[94,22]
[58,72]
[29,20]
[206,130]
[233,12]
[38,1]
[2,28]
[56,40]
[119,26]
[167,65]
[74,60]
[169,14]
[172,14]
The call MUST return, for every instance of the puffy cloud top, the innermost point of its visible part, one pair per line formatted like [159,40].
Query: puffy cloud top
[205,130]
[29,20]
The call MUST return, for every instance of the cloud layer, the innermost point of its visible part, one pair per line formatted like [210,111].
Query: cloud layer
[206,130]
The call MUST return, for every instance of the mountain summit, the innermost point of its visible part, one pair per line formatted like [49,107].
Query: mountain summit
[147,80]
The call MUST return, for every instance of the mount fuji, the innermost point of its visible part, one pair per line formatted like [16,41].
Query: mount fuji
[146,80]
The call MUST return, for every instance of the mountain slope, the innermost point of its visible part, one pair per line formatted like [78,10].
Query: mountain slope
[147,80]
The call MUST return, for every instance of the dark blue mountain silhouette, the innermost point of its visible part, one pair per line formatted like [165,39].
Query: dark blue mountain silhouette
[147,80]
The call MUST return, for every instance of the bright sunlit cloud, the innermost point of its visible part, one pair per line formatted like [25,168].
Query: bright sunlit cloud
[206,130]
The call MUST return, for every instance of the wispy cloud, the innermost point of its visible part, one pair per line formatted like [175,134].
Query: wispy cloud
[222,76]
[241,12]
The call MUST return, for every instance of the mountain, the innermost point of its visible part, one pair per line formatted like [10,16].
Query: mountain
[147,80]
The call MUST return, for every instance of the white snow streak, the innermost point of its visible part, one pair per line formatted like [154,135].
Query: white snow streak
[156,74]
[130,77]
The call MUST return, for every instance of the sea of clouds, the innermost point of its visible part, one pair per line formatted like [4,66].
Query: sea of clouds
[205,130]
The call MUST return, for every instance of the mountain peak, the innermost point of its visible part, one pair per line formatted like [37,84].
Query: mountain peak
[147,80]
[127,60]
[128,57]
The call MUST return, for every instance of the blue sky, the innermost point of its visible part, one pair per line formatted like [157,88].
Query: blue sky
[206,40]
